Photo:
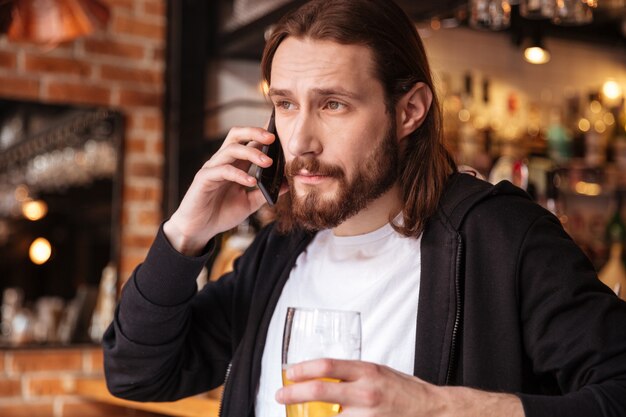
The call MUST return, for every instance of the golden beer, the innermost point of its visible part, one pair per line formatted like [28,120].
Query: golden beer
[314,408]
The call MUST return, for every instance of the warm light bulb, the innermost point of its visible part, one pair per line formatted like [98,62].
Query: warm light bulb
[599,126]
[611,90]
[584,125]
[34,209]
[40,251]
[608,118]
[464,115]
[536,55]
[595,106]
[21,193]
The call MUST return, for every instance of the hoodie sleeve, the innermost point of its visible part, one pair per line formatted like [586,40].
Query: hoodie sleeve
[574,327]
[167,340]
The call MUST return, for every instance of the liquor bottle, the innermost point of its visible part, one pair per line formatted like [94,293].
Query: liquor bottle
[559,139]
[596,135]
[618,136]
[468,145]
[613,273]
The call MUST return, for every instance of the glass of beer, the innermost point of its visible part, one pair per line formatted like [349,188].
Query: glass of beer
[314,334]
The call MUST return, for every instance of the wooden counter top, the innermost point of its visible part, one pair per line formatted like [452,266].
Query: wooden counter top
[198,406]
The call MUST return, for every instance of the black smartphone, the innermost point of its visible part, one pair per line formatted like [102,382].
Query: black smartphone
[271,178]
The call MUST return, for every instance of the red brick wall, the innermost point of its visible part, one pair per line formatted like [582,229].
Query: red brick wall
[35,383]
[121,67]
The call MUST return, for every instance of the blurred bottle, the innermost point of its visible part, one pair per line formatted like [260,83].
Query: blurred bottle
[559,139]
[553,201]
[105,304]
[618,135]
[595,132]
[613,273]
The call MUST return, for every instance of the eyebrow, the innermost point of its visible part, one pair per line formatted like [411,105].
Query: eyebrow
[324,92]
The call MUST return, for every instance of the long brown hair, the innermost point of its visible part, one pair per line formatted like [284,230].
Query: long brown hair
[400,62]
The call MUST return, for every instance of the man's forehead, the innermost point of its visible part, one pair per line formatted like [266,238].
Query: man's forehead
[322,62]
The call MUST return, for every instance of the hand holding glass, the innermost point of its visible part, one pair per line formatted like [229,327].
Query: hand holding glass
[314,334]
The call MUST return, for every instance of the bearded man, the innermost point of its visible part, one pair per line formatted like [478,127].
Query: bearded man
[474,300]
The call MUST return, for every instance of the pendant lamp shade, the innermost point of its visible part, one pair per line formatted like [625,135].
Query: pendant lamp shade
[56,21]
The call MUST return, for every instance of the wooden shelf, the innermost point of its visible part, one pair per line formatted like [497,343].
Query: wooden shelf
[198,406]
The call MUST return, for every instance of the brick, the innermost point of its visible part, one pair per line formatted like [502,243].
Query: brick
[26,410]
[128,264]
[12,86]
[152,122]
[142,193]
[56,65]
[149,217]
[120,4]
[8,59]
[78,93]
[94,360]
[45,386]
[125,217]
[156,8]
[135,145]
[47,360]
[10,387]
[145,169]
[114,48]
[158,54]
[158,147]
[140,98]
[137,241]
[132,121]
[78,408]
[134,75]
[145,120]
[138,27]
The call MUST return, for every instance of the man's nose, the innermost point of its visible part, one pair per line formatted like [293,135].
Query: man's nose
[304,139]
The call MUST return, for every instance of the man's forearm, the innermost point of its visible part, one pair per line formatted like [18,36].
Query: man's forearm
[467,402]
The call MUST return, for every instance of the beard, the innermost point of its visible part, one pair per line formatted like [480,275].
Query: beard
[314,210]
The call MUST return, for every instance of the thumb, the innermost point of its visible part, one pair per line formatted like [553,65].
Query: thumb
[256,199]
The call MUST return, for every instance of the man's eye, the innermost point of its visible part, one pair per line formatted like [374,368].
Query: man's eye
[285,105]
[335,105]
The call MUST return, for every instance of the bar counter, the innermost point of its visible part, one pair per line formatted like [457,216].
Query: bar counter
[69,382]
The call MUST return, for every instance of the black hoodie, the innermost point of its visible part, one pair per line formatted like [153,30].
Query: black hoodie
[508,303]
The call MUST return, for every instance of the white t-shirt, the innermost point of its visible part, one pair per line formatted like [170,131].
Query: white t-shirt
[377,273]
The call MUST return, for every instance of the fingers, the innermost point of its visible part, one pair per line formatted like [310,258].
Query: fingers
[313,382]
[315,390]
[225,173]
[243,135]
[344,370]
[234,152]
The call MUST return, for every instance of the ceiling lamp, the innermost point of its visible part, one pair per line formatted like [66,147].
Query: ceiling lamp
[40,251]
[34,210]
[536,53]
[54,21]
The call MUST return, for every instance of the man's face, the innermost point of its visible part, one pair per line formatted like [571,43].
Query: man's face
[340,144]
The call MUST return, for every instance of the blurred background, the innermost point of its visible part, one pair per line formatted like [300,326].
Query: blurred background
[109,107]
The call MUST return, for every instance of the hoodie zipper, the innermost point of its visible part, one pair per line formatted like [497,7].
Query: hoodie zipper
[221,406]
[459,309]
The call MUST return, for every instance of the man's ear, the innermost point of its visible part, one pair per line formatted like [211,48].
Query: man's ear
[412,109]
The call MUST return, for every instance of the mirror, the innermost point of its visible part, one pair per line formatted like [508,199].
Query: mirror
[60,205]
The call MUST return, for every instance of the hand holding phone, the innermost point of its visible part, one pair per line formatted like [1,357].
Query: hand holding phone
[270,179]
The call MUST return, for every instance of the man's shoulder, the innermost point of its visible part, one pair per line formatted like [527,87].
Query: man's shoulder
[468,198]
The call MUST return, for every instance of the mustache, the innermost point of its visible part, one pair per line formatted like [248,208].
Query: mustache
[314,166]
